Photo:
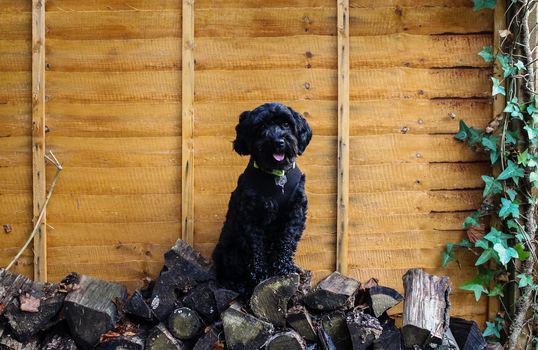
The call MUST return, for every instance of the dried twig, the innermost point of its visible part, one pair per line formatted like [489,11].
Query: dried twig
[52,159]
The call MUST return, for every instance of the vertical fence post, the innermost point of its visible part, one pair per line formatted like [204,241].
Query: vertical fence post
[343,137]
[187,123]
[38,136]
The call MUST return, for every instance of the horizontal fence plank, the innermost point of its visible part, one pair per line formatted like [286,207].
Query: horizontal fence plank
[411,202]
[16,25]
[71,208]
[15,119]
[121,119]
[112,5]
[386,224]
[113,55]
[417,116]
[162,86]
[16,180]
[328,3]
[16,55]
[412,176]
[105,254]
[16,151]
[15,208]
[405,240]
[15,87]
[105,25]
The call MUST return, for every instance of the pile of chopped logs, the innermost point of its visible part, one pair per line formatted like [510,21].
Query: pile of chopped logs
[184,308]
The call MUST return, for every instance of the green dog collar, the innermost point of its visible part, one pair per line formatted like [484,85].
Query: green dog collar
[274,172]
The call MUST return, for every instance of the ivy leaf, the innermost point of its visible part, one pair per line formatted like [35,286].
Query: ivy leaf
[463,133]
[511,194]
[481,243]
[495,236]
[511,137]
[492,186]
[511,171]
[505,253]
[486,255]
[492,329]
[519,65]
[522,158]
[512,107]
[533,177]
[508,208]
[474,286]
[524,280]
[497,290]
[508,69]
[484,4]
[471,220]
[532,133]
[497,87]
[522,254]
[447,257]
[531,109]
[487,53]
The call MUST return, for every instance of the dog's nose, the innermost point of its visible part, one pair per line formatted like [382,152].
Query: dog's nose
[279,143]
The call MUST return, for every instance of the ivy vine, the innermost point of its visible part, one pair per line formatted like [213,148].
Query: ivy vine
[501,233]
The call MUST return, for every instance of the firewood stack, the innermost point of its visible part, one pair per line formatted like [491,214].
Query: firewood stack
[186,309]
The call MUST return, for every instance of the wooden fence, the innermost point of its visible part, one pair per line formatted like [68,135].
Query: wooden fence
[140,104]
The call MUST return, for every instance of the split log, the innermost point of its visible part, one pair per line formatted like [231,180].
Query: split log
[184,323]
[90,310]
[305,286]
[299,319]
[159,338]
[210,340]
[33,310]
[269,300]
[58,342]
[449,342]
[286,341]
[335,292]
[202,300]
[224,298]
[122,343]
[467,334]
[333,332]
[183,269]
[363,329]
[7,342]
[137,308]
[243,331]
[10,286]
[380,299]
[390,338]
[425,317]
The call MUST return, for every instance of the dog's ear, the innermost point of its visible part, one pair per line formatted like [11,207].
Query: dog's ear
[241,142]
[304,132]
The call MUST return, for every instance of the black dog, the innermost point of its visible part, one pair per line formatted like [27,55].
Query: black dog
[267,211]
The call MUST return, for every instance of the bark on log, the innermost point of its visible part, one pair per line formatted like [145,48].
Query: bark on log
[91,311]
[390,338]
[122,343]
[58,342]
[224,298]
[183,269]
[209,341]
[333,332]
[7,342]
[286,341]
[269,300]
[184,323]
[449,342]
[467,334]
[243,331]
[299,319]
[159,338]
[380,299]
[137,308]
[335,292]
[202,300]
[426,308]
[10,285]
[363,329]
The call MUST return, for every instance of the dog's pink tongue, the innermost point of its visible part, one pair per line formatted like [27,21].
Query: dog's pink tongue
[278,156]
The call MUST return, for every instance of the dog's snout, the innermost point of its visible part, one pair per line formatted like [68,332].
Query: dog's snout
[279,143]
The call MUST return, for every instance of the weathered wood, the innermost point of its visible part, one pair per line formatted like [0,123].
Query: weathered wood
[210,340]
[449,343]
[363,329]
[299,319]
[269,300]
[38,136]
[425,317]
[202,300]
[467,334]
[187,123]
[58,341]
[243,331]
[10,286]
[137,307]
[183,269]
[390,338]
[342,200]
[7,342]
[286,341]
[380,299]
[91,311]
[159,338]
[223,298]
[184,323]
[122,343]
[336,291]
[333,332]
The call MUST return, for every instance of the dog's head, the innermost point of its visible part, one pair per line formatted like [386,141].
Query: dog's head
[273,134]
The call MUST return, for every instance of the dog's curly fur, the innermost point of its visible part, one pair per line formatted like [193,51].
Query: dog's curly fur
[265,220]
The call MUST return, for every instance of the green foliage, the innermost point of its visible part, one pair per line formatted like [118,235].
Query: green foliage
[495,328]
[483,4]
[487,53]
[497,87]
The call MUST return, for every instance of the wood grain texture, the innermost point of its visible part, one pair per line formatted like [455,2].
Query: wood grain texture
[38,138]
[342,177]
[187,124]
[16,55]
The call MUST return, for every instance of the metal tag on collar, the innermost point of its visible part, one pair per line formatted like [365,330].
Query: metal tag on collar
[280,181]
